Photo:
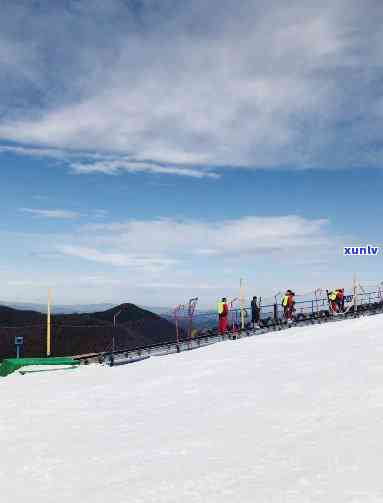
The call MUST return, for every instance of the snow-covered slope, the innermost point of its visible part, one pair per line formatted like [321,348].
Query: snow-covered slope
[295,416]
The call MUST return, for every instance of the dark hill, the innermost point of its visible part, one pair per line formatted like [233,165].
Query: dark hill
[13,317]
[74,334]
[126,313]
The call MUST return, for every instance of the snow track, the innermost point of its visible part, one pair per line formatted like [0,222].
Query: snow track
[293,416]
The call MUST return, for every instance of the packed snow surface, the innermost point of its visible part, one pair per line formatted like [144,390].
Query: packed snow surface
[293,416]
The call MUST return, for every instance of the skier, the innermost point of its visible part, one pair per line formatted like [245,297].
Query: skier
[255,312]
[223,312]
[340,299]
[288,305]
[332,299]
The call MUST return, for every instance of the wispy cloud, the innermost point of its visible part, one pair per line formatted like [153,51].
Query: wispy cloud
[200,256]
[149,263]
[246,235]
[118,166]
[36,152]
[139,244]
[266,85]
[100,214]
[169,260]
[83,163]
[96,214]
[53,214]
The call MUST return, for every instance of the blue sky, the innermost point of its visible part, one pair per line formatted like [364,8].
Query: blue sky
[152,151]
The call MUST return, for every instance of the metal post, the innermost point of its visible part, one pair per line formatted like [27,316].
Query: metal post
[241,296]
[275,313]
[177,337]
[233,320]
[178,308]
[114,330]
[276,307]
[49,322]
[191,308]
[316,299]
[18,342]
[113,342]
[355,292]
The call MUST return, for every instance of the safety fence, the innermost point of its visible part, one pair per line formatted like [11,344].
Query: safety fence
[272,313]
[68,339]
[184,328]
[198,329]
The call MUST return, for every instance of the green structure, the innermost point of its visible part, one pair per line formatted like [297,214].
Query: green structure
[10,365]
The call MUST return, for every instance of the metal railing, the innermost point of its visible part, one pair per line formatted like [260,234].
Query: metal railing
[271,319]
[198,329]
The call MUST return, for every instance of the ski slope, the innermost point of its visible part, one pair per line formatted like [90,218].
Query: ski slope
[294,416]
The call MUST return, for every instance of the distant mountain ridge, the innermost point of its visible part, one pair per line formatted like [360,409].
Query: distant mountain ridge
[60,308]
[78,308]
[78,333]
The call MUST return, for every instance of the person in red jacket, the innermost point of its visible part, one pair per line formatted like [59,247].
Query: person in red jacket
[288,303]
[340,299]
[223,311]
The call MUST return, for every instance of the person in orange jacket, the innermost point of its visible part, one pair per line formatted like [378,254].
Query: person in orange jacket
[223,311]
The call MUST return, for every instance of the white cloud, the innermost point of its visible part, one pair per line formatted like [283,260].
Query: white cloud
[83,163]
[117,166]
[179,244]
[53,214]
[182,252]
[228,238]
[60,214]
[149,263]
[35,152]
[169,259]
[195,84]
[100,214]
[164,262]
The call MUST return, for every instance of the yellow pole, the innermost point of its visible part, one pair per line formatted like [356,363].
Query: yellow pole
[241,296]
[49,322]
